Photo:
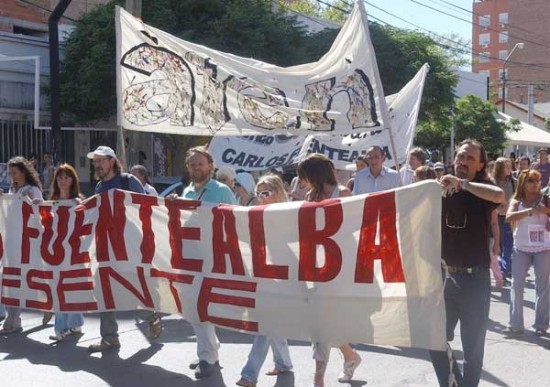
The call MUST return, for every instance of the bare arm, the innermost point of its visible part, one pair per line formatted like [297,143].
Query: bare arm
[514,214]
[495,229]
[483,191]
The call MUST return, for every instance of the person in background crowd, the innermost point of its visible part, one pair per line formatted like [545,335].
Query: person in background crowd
[66,186]
[513,161]
[142,175]
[469,198]
[439,169]
[200,166]
[417,158]
[244,189]
[298,189]
[24,182]
[108,172]
[33,159]
[502,177]
[226,175]
[360,164]
[529,213]
[423,173]
[280,172]
[319,174]
[46,176]
[270,189]
[524,163]
[543,166]
[376,177]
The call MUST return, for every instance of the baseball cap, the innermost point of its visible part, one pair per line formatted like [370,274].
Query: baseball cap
[439,166]
[102,151]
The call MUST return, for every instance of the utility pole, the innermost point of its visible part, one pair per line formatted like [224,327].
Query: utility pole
[531,104]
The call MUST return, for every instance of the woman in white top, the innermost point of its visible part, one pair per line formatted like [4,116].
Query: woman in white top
[529,215]
[25,182]
[141,173]
[319,174]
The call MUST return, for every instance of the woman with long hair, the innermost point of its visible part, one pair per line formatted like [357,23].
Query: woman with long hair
[270,189]
[529,214]
[24,182]
[66,187]
[319,174]
[502,177]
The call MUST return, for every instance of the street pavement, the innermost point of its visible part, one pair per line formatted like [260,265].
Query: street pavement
[31,359]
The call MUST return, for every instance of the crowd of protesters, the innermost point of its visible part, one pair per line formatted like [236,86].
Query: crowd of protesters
[489,210]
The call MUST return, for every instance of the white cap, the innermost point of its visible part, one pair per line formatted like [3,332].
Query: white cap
[246,180]
[102,151]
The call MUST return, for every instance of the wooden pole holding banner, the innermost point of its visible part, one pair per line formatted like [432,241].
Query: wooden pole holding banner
[394,151]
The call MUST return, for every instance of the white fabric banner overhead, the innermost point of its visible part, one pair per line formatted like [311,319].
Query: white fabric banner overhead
[372,258]
[263,152]
[169,85]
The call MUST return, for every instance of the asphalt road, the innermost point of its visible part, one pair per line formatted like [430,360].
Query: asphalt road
[31,359]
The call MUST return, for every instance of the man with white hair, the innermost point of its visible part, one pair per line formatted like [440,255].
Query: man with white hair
[226,175]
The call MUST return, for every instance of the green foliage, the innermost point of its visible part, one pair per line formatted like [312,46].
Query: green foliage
[475,118]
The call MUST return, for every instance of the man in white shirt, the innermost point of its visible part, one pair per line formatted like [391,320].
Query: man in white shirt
[417,158]
[376,177]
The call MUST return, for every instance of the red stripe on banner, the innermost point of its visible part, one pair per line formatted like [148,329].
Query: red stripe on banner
[106,273]
[28,232]
[80,229]
[379,214]
[41,286]
[173,277]
[224,223]
[63,287]
[207,296]
[46,217]
[110,227]
[179,233]
[10,283]
[311,237]
[146,203]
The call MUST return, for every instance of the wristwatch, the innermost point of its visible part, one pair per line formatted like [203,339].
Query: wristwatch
[463,184]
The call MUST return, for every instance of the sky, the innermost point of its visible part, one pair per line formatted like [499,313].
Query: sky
[417,12]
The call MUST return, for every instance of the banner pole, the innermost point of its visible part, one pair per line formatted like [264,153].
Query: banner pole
[394,151]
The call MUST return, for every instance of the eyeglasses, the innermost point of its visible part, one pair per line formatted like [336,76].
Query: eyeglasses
[456,226]
[263,194]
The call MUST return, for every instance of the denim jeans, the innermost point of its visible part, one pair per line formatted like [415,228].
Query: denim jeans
[467,299]
[108,327]
[258,353]
[521,262]
[506,245]
[2,311]
[66,321]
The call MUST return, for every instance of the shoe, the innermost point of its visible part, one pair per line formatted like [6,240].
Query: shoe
[194,364]
[540,332]
[73,331]
[512,332]
[2,318]
[155,328]
[349,369]
[104,345]
[276,371]
[59,336]
[205,369]
[47,318]
[9,331]
[245,383]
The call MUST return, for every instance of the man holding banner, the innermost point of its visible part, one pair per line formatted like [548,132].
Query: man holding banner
[468,200]
[200,166]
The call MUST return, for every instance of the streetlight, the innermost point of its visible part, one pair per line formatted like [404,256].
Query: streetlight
[520,46]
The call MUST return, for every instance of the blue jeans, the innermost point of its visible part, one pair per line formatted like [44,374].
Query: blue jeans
[66,321]
[108,327]
[2,311]
[506,245]
[258,353]
[521,262]
[467,299]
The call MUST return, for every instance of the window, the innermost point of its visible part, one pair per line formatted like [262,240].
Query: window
[502,54]
[503,37]
[485,21]
[484,57]
[503,18]
[484,40]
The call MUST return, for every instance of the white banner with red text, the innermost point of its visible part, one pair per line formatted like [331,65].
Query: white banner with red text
[363,269]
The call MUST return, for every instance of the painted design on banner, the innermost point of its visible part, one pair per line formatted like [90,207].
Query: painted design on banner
[168,94]
[354,91]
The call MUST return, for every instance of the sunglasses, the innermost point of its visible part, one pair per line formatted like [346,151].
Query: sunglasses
[263,194]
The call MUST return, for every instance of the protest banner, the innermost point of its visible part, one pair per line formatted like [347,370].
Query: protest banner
[374,259]
[263,152]
[166,84]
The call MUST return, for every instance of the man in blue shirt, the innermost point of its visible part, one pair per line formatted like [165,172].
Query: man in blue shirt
[109,173]
[200,166]
[376,177]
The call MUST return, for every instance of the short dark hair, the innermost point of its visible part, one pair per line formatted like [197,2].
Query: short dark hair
[200,150]
[420,154]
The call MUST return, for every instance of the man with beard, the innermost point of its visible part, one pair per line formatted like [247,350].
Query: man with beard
[468,201]
[200,166]
[108,172]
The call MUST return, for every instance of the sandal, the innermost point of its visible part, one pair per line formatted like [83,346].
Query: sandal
[104,345]
[275,372]
[47,318]
[9,331]
[155,327]
[73,331]
[245,383]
